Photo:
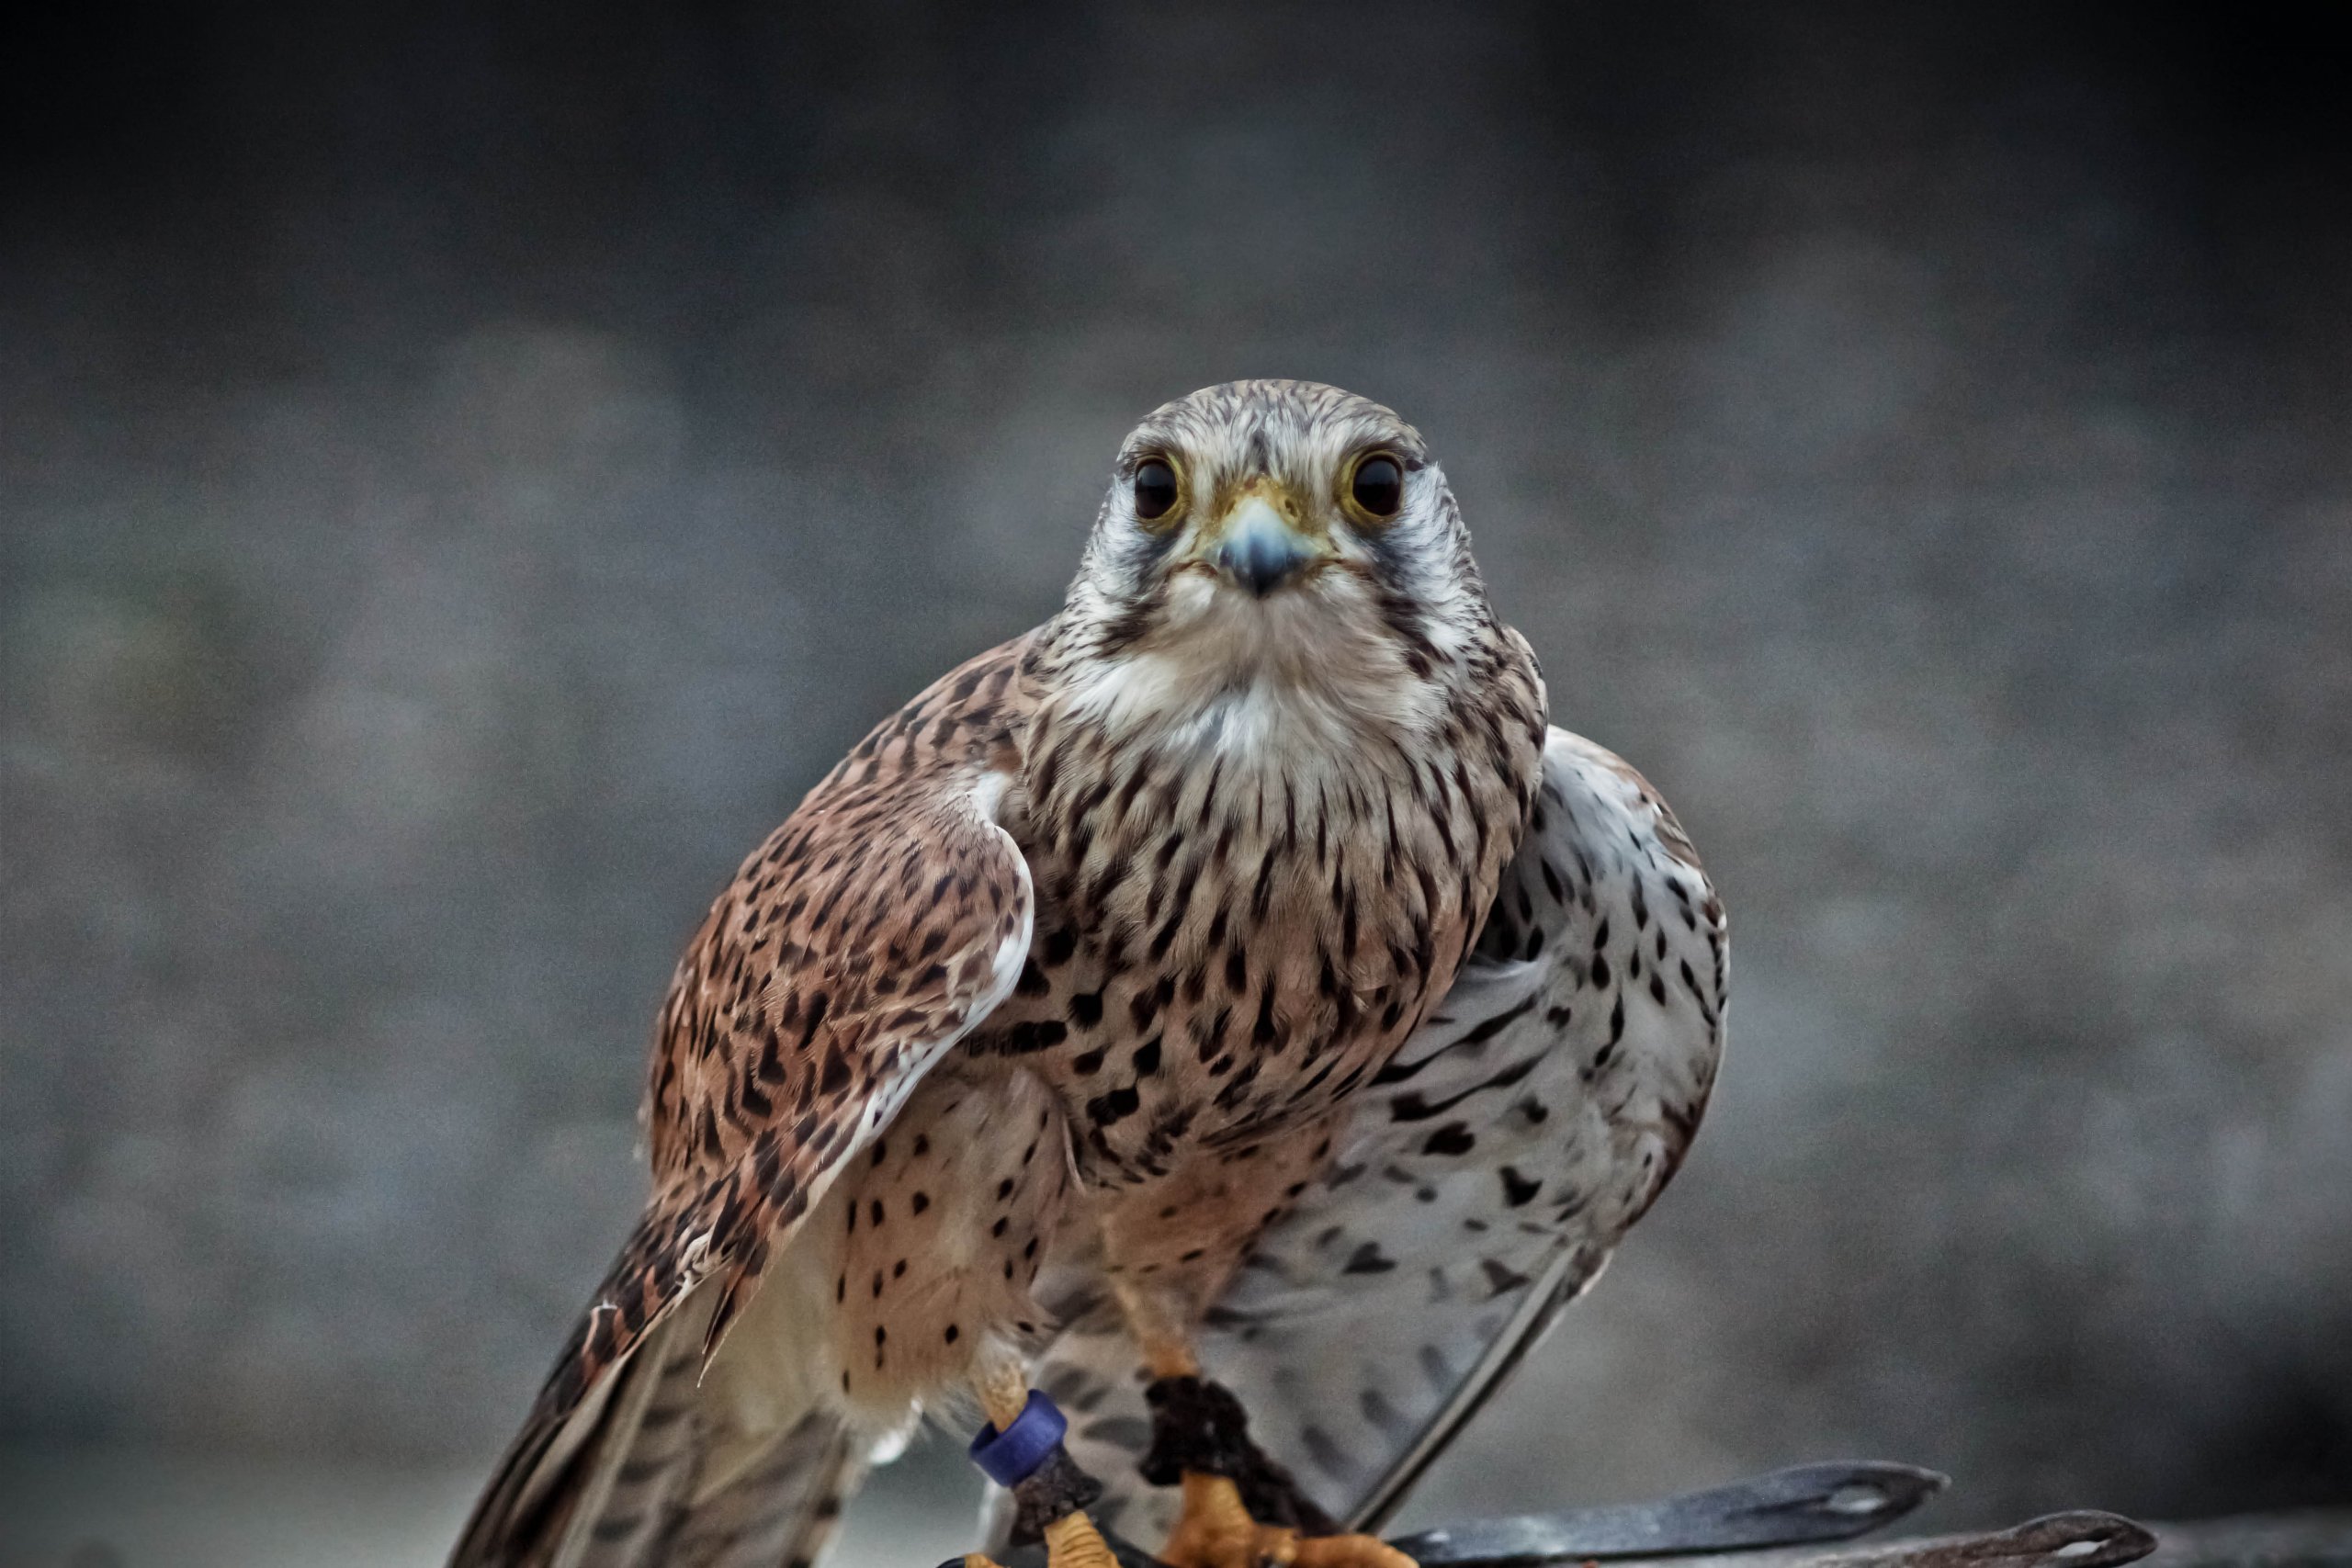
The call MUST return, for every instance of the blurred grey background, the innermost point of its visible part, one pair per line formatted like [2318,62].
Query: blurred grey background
[463,473]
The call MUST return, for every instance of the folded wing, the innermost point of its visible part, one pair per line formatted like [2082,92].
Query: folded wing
[1483,1181]
[885,920]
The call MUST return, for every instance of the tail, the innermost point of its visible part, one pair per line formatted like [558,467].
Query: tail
[660,1464]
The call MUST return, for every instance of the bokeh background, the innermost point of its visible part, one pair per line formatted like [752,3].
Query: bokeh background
[463,472]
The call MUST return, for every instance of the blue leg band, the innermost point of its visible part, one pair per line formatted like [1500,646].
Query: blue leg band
[1013,1455]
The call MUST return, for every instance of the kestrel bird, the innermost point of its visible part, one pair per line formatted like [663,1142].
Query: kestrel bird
[1200,1043]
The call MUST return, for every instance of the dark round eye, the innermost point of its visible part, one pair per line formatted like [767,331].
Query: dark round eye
[1378,486]
[1155,489]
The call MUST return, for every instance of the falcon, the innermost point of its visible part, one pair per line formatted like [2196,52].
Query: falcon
[1200,1043]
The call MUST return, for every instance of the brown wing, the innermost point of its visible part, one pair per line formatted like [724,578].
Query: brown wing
[886,917]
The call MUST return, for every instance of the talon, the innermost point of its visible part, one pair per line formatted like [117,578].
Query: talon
[1073,1542]
[1215,1531]
[1349,1551]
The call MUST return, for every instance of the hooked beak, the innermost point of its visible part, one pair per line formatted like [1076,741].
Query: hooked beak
[1258,547]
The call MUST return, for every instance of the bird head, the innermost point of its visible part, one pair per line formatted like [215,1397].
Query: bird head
[1272,537]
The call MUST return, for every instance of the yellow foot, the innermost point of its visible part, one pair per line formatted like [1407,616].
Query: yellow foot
[1215,1531]
[1071,1542]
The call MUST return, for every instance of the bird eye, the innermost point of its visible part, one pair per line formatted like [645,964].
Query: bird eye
[1377,486]
[1156,492]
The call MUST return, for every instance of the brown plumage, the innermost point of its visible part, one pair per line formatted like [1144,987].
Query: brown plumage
[1077,968]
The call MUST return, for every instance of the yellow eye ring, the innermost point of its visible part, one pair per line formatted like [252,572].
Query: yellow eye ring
[1157,487]
[1372,491]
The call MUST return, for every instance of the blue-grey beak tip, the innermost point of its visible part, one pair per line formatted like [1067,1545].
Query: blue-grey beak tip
[1259,562]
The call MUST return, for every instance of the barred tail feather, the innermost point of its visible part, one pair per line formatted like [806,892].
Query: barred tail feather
[656,1466]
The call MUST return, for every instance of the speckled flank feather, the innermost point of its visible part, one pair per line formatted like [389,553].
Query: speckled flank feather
[1489,1171]
[1151,941]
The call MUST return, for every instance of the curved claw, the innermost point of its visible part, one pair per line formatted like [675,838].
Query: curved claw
[1217,1531]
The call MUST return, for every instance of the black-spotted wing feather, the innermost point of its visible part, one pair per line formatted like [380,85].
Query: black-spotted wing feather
[1483,1181]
